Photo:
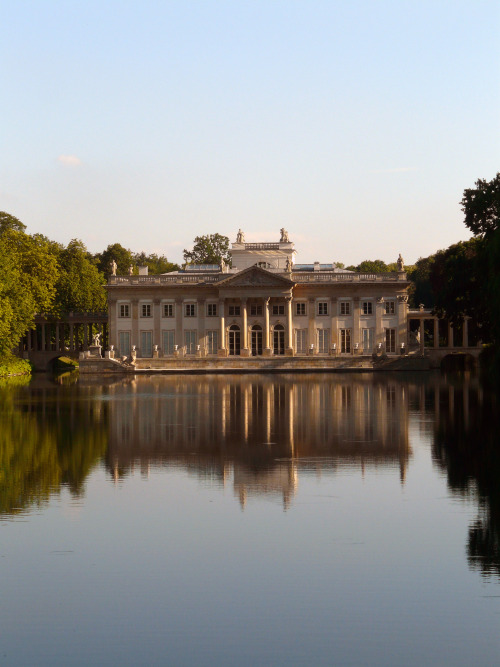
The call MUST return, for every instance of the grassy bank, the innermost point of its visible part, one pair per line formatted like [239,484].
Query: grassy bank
[11,365]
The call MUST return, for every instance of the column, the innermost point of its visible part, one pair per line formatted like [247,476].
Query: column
[465,332]
[244,352]
[112,335]
[222,346]
[289,327]
[156,322]
[57,337]
[379,332]
[72,336]
[43,336]
[356,312]
[311,333]
[200,310]
[450,334]
[436,332]
[179,328]
[267,351]
[334,336]
[422,334]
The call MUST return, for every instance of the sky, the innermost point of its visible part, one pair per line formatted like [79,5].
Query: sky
[354,124]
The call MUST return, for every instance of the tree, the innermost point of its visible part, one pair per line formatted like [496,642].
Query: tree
[80,284]
[8,221]
[370,266]
[155,263]
[122,256]
[209,249]
[481,206]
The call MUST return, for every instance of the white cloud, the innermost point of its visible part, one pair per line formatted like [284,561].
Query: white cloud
[394,170]
[69,160]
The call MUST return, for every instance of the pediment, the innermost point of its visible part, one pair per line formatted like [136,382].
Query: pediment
[255,276]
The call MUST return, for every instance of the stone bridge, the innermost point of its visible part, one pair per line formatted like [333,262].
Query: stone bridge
[65,336]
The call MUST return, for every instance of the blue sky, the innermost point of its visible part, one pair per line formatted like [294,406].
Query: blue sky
[356,125]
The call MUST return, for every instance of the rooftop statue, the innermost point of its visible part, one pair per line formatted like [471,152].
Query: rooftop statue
[401,264]
[240,237]
[284,236]
[131,270]
[113,266]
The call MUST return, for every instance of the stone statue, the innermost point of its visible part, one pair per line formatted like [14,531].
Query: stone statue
[401,264]
[240,237]
[114,266]
[97,339]
[222,264]
[284,236]
[288,265]
[130,270]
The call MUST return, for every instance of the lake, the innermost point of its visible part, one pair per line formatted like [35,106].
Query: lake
[316,519]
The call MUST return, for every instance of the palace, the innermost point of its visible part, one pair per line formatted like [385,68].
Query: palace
[262,305]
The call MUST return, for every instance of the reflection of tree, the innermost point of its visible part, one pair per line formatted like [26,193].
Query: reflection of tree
[466,446]
[45,445]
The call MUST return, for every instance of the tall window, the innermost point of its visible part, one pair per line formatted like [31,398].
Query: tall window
[124,343]
[367,307]
[390,307]
[190,338]
[345,341]
[323,339]
[211,310]
[168,310]
[300,308]
[212,342]
[345,308]
[124,310]
[390,340]
[368,340]
[301,341]
[168,342]
[190,309]
[322,307]
[146,310]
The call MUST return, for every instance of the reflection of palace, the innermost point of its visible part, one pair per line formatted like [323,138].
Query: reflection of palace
[262,431]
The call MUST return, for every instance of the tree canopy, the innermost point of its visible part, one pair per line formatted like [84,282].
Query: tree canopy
[209,249]
[481,206]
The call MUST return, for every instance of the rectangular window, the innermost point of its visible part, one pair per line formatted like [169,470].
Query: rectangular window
[278,309]
[190,341]
[390,340]
[368,340]
[345,341]
[146,344]
[212,342]
[300,308]
[124,343]
[190,309]
[255,309]
[367,308]
[322,307]
[390,307]
[301,341]
[168,310]
[168,342]
[124,310]
[211,310]
[234,311]
[345,308]
[146,310]
[323,340]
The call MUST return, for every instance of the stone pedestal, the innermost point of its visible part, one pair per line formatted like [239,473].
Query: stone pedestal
[95,351]
[267,352]
[289,352]
[222,352]
[245,352]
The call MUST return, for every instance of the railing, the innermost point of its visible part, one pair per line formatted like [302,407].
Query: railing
[344,277]
[164,280]
[262,246]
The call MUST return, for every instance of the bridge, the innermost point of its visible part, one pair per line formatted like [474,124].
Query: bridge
[65,336]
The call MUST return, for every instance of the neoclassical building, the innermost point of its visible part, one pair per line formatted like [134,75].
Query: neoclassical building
[262,305]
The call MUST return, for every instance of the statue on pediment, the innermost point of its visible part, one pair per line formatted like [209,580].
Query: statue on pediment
[240,237]
[284,236]
[401,264]
[113,267]
[288,265]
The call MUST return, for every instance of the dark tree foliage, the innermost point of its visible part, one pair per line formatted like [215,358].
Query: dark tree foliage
[122,256]
[8,221]
[481,206]
[155,263]
[208,249]
[420,282]
[370,266]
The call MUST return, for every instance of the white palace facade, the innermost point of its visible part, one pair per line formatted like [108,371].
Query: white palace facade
[262,305]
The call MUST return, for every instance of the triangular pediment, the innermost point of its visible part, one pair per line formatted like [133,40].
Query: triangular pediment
[255,276]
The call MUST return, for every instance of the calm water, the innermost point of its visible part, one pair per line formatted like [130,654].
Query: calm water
[250,520]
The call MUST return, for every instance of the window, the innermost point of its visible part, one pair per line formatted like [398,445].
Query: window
[322,307]
[168,310]
[190,310]
[211,310]
[367,307]
[390,340]
[368,340]
[255,309]
[190,340]
[301,341]
[300,308]
[390,307]
[345,308]
[212,342]
[146,310]
[168,342]
[323,338]
[124,310]
[279,309]
[124,343]
[146,343]
[345,341]
[234,311]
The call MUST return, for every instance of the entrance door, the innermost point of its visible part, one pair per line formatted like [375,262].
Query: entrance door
[234,340]
[256,340]
[146,343]
[279,339]
[367,340]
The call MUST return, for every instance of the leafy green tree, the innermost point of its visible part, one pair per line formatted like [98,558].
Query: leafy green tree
[8,221]
[155,263]
[122,256]
[370,266]
[208,249]
[481,206]
[80,284]
[421,290]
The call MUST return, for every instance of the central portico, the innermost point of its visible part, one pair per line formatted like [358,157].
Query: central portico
[256,313]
